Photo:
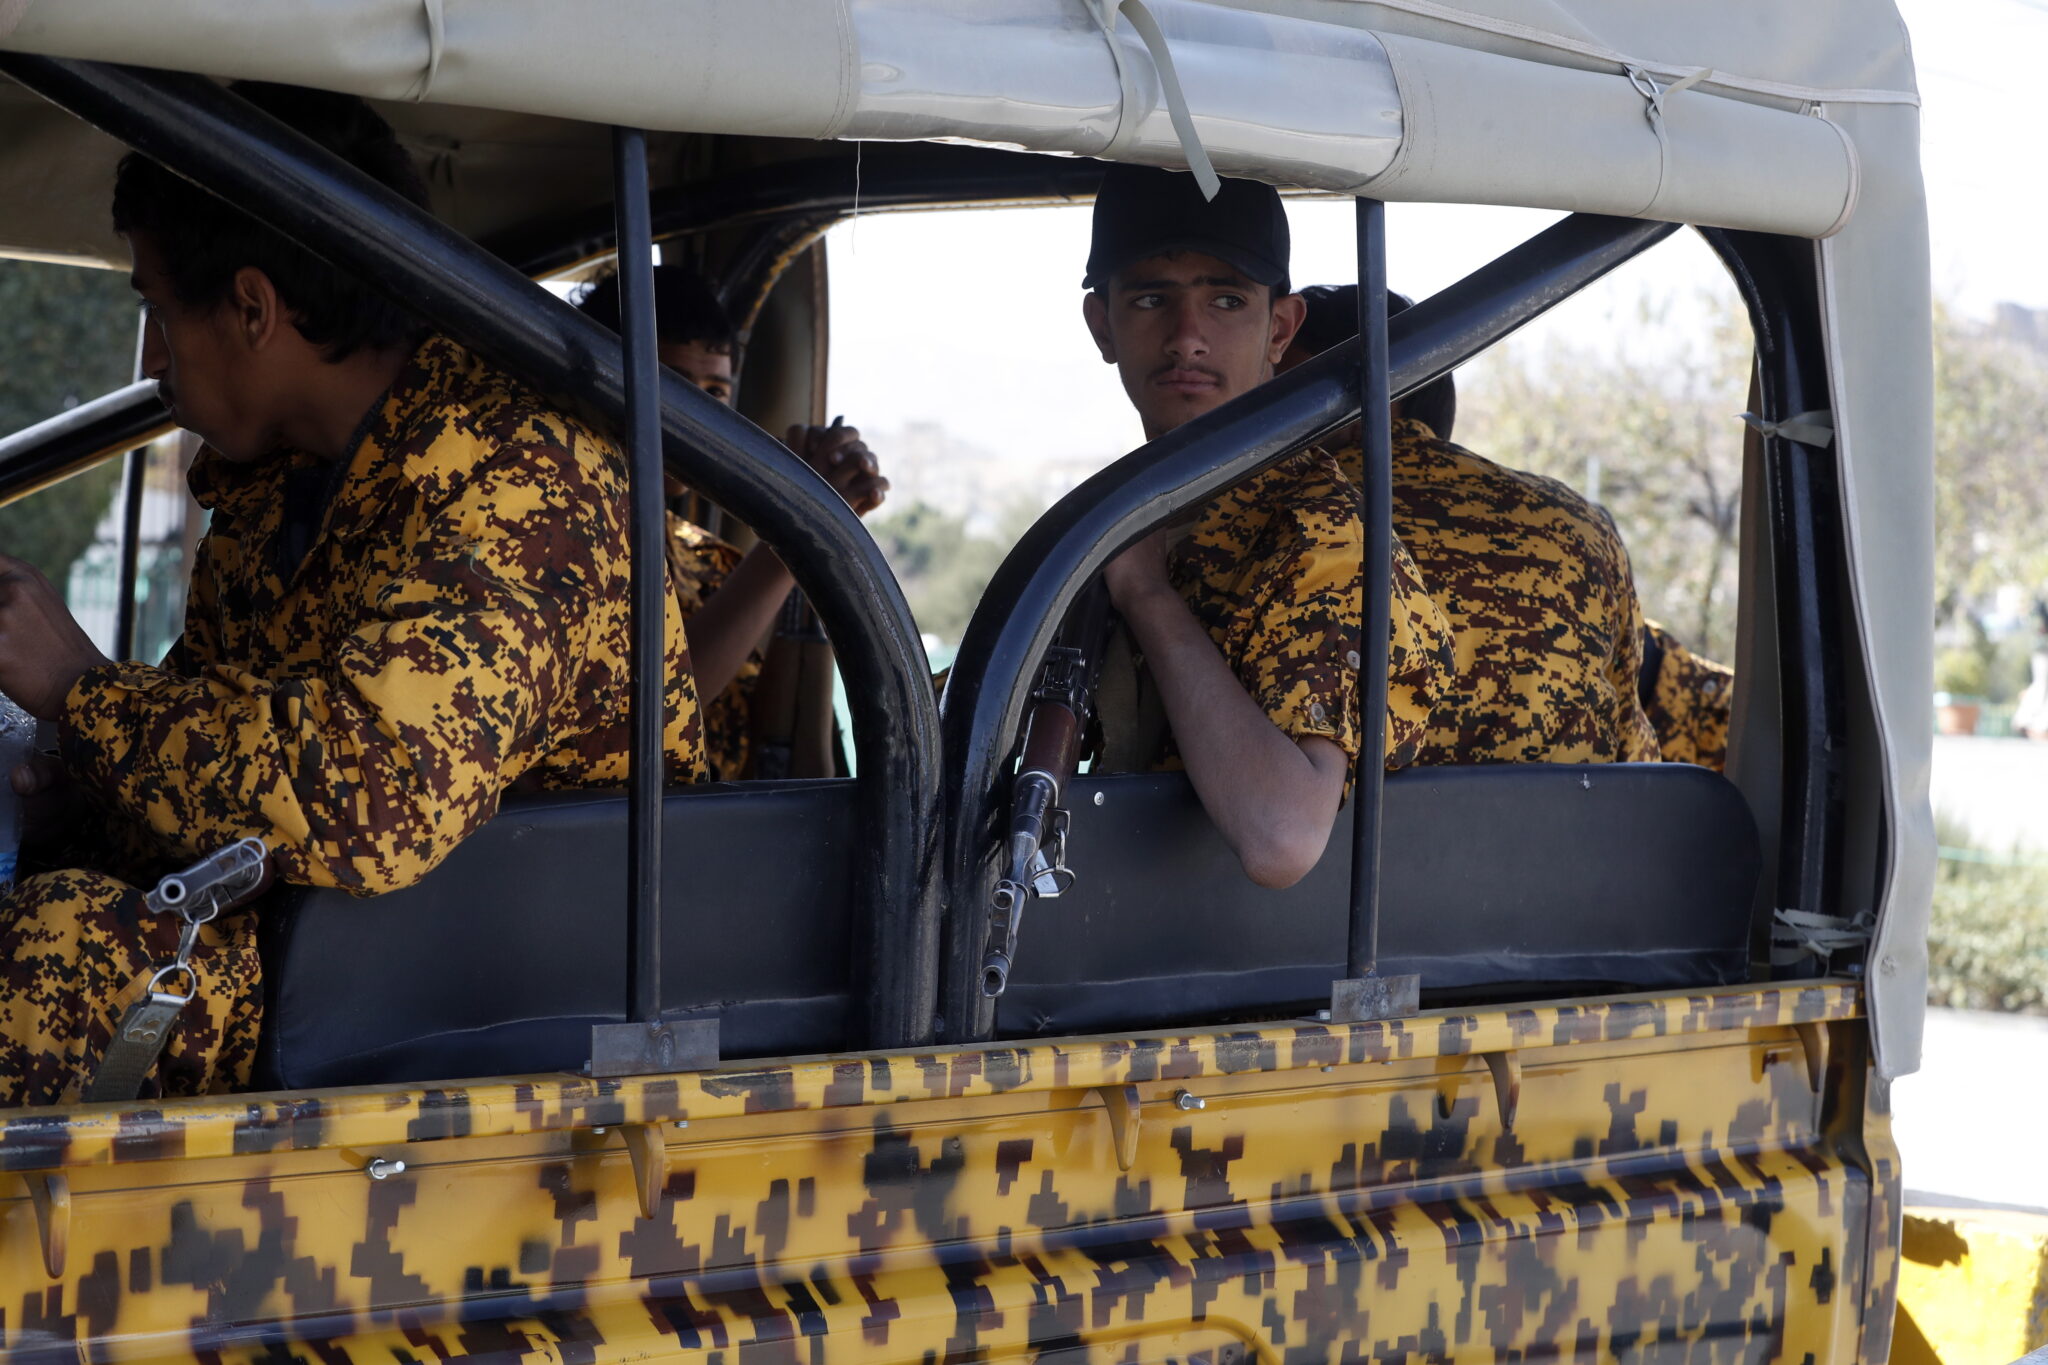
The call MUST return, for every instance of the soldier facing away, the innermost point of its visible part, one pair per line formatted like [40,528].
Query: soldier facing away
[413,592]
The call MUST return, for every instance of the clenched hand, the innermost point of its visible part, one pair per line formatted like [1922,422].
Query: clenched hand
[43,652]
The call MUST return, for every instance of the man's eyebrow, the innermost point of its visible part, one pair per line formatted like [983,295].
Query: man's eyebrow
[1199,282]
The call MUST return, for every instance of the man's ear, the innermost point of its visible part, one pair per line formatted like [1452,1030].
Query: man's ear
[1096,313]
[1289,312]
[258,310]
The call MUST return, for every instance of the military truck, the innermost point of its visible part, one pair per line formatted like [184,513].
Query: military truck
[714,1073]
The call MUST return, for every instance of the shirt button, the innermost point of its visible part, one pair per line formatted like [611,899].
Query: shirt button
[1316,712]
[1352,658]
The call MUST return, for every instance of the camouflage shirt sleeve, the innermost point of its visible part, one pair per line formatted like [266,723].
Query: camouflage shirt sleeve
[1689,703]
[365,773]
[1302,661]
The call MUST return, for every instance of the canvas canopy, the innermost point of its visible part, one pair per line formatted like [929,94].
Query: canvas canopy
[1792,119]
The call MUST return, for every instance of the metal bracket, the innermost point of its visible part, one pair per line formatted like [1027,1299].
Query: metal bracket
[1122,1103]
[50,1192]
[1363,998]
[646,1149]
[1813,1040]
[636,1049]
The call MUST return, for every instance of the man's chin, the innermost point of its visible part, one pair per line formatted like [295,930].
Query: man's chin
[1169,410]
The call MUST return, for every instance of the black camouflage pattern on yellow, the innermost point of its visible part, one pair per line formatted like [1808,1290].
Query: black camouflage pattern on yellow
[459,623]
[698,563]
[1273,571]
[1536,585]
[1689,702]
[1672,1187]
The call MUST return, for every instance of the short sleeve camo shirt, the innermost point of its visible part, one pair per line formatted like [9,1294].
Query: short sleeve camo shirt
[1536,585]
[698,563]
[1688,699]
[1273,570]
[459,622]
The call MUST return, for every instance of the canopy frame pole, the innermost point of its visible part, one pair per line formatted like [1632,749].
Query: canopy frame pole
[645,1043]
[1363,993]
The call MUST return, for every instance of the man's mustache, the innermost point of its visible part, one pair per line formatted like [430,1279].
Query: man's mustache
[1172,366]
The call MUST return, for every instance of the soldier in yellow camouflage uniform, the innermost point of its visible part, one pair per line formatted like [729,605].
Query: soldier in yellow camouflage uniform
[1688,698]
[698,342]
[1247,623]
[413,593]
[1533,579]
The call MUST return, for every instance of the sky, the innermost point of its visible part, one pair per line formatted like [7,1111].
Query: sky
[972,319]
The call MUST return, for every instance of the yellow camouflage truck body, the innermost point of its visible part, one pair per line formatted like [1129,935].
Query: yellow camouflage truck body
[1703,1177]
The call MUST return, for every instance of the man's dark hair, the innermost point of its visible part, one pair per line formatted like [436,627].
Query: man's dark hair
[685,309]
[1333,319]
[204,240]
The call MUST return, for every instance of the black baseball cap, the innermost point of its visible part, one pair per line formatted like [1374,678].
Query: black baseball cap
[1142,211]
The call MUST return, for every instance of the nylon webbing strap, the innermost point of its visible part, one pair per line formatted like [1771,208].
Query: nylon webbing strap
[138,1042]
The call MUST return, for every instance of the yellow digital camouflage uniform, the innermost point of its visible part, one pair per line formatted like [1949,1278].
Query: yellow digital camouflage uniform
[1687,698]
[1273,570]
[458,622]
[1536,585]
[698,563]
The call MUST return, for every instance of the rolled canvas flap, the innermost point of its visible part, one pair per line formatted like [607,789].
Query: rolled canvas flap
[1486,129]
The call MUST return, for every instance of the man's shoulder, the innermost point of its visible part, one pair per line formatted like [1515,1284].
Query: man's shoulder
[1536,501]
[1304,497]
[499,407]
[477,418]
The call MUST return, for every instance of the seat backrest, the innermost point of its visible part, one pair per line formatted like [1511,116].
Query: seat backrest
[501,959]
[1524,879]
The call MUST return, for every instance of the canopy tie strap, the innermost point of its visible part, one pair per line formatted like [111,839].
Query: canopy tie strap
[1797,934]
[437,41]
[1139,13]
[1814,428]
[1654,96]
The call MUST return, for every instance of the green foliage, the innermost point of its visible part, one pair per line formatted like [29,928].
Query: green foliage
[943,568]
[1990,448]
[1960,672]
[67,334]
[1987,944]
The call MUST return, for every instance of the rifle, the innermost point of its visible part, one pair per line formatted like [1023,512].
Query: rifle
[1035,847]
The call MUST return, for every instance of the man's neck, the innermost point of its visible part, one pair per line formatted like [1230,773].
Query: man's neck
[332,407]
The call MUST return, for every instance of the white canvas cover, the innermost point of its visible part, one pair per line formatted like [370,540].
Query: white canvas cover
[1789,118]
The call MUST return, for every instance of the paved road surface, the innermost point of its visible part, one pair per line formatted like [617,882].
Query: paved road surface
[1972,1123]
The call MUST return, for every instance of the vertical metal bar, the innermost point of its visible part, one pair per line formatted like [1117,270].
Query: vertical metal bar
[133,476]
[649,585]
[1376,440]
[133,470]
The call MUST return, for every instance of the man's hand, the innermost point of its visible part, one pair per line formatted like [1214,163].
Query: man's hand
[42,650]
[1140,571]
[844,461]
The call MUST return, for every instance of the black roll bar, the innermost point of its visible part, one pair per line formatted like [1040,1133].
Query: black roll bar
[1362,993]
[201,130]
[1802,488]
[79,438]
[1029,595]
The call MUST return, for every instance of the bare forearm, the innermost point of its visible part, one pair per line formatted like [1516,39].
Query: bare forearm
[733,620]
[1272,798]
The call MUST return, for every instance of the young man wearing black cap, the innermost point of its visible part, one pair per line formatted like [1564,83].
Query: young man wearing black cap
[1246,621]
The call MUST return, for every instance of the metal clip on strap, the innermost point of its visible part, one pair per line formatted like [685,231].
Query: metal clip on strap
[1654,96]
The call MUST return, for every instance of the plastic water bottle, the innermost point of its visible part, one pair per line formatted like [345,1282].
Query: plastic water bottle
[17,742]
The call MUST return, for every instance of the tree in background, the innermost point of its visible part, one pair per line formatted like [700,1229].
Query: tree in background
[1990,467]
[68,335]
[943,567]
